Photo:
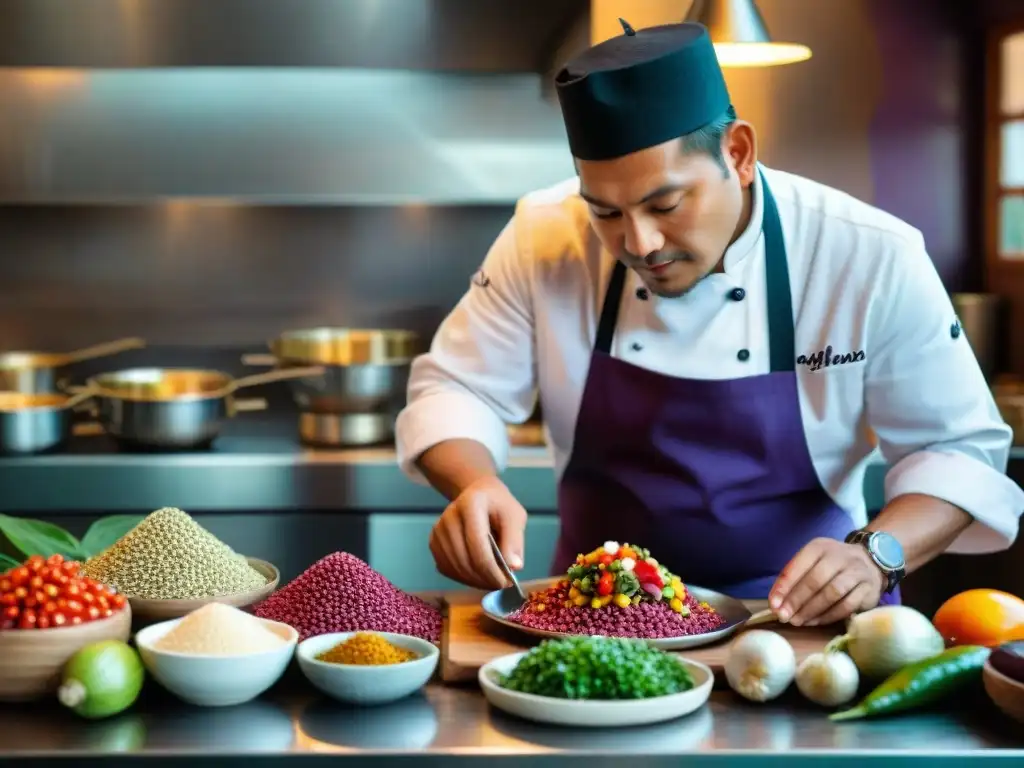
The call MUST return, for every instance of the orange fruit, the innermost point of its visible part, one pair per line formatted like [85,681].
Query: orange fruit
[986,617]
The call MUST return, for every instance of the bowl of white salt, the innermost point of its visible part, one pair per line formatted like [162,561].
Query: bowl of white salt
[217,655]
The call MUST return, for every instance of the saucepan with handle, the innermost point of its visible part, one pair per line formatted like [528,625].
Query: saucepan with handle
[37,422]
[176,408]
[367,369]
[31,372]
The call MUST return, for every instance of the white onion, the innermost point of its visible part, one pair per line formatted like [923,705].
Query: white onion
[886,639]
[829,679]
[761,665]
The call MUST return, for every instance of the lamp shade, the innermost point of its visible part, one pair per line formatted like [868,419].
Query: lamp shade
[740,36]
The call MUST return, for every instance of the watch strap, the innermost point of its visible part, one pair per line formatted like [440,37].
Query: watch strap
[893,576]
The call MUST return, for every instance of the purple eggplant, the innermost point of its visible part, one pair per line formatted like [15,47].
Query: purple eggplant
[1009,659]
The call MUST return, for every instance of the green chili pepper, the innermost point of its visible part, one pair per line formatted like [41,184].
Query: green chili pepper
[922,683]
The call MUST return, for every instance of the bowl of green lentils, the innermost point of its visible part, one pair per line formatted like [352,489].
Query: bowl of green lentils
[169,565]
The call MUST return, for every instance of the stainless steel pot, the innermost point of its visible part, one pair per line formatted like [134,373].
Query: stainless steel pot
[175,408]
[366,371]
[36,423]
[980,316]
[346,430]
[31,372]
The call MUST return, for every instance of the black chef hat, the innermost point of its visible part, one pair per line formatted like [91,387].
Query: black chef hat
[641,89]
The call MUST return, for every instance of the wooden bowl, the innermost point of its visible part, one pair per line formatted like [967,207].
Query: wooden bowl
[161,610]
[1007,694]
[31,660]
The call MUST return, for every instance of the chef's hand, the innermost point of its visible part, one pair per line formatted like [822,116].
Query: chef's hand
[825,582]
[459,538]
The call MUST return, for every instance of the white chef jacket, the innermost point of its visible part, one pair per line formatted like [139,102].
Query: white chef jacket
[864,291]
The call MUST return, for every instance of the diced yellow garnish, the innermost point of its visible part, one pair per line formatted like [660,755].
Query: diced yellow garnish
[622,601]
[595,603]
[676,604]
[574,593]
[606,600]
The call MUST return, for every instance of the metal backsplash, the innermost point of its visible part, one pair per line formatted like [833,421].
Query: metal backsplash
[276,136]
[477,35]
[203,275]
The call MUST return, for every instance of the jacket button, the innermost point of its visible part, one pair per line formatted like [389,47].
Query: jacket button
[954,330]
[743,355]
[737,294]
[637,346]
[642,294]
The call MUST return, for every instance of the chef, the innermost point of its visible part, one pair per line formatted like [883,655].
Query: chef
[714,343]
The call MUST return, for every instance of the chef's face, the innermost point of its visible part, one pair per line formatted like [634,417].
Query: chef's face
[669,214]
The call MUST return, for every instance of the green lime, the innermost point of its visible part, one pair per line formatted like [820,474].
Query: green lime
[102,679]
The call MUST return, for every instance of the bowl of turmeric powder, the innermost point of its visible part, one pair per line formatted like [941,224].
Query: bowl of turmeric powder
[367,668]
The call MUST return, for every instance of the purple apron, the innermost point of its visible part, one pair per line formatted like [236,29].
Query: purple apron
[713,476]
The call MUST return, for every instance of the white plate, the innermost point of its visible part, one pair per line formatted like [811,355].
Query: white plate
[498,605]
[593,714]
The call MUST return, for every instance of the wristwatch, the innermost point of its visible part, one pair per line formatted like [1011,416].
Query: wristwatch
[885,551]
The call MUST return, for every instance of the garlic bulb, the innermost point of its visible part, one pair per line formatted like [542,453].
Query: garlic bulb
[761,665]
[886,639]
[829,679]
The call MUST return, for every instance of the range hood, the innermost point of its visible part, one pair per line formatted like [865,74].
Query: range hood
[276,137]
[283,102]
[491,36]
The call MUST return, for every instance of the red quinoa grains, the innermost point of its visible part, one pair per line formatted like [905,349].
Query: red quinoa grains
[341,593]
[619,591]
[646,620]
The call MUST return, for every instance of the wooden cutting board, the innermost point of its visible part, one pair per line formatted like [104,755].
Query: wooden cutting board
[470,640]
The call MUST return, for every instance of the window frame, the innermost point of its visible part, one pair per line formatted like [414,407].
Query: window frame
[994,121]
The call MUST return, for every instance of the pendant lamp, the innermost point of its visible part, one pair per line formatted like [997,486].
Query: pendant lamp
[740,36]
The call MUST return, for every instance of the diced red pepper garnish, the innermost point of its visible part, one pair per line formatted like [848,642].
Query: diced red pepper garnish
[647,573]
[606,583]
[606,560]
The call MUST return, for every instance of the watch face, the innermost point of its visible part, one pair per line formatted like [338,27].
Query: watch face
[887,550]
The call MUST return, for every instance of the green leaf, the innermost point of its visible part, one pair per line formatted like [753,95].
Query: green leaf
[106,531]
[37,537]
[7,562]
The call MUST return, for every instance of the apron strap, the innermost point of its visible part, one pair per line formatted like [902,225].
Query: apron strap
[781,336]
[781,333]
[610,310]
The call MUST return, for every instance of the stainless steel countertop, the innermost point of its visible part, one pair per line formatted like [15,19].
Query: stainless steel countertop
[454,726]
[258,464]
[255,465]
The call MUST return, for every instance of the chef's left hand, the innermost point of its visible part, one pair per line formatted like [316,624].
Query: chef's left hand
[825,582]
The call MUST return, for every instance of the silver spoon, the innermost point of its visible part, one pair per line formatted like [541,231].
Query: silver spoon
[504,567]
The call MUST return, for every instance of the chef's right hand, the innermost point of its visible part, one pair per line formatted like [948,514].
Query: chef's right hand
[459,538]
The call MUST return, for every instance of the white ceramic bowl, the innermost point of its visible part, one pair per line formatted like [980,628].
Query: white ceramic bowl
[360,684]
[214,680]
[593,714]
